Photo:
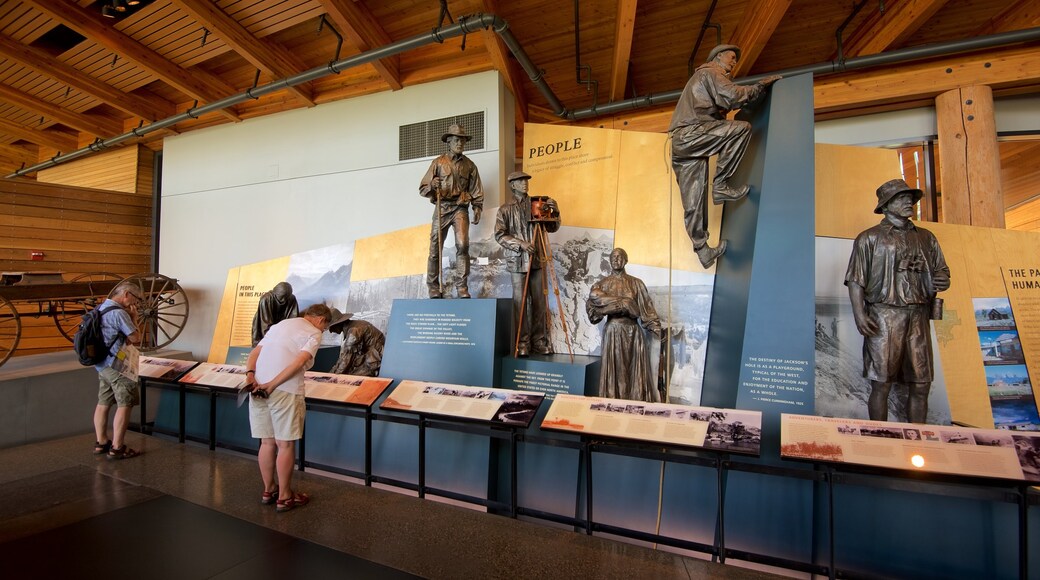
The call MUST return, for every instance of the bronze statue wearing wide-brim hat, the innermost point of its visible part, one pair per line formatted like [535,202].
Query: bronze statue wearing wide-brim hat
[338,320]
[517,175]
[892,188]
[723,48]
[456,131]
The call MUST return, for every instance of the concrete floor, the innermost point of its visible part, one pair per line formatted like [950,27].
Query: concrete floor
[182,511]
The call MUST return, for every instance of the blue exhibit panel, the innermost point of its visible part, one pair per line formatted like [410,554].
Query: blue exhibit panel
[444,341]
[548,477]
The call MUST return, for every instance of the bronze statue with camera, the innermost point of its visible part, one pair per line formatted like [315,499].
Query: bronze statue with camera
[520,227]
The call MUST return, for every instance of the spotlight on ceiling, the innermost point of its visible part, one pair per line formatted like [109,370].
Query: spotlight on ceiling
[119,5]
[108,11]
[133,2]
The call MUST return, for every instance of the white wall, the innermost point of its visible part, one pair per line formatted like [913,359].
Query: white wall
[305,179]
[914,125]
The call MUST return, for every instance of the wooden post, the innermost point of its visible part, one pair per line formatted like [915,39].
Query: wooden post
[970,168]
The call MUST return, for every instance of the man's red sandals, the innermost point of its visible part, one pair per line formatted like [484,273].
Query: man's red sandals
[297,500]
[269,497]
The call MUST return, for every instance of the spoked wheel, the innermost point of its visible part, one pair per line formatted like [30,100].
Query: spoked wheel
[10,329]
[163,313]
[68,313]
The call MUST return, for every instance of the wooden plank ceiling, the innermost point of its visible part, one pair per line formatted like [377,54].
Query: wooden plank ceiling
[70,76]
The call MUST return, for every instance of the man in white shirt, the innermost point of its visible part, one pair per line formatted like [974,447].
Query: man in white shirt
[274,374]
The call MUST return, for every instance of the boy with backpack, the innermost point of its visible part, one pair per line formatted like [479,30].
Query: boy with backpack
[118,325]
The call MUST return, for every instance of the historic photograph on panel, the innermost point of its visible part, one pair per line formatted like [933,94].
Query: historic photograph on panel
[518,409]
[841,389]
[1000,347]
[1028,449]
[993,313]
[734,431]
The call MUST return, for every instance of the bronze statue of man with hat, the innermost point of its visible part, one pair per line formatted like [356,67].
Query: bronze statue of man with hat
[700,129]
[515,227]
[452,184]
[361,353]
[895,271]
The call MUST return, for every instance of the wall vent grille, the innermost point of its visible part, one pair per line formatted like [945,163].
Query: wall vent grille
[424,139]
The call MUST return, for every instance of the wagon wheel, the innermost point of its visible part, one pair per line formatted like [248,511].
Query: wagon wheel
[68,313]
[10,329]
[164,311]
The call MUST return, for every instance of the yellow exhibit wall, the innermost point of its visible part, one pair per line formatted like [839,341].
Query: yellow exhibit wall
[981,260]
[238,305]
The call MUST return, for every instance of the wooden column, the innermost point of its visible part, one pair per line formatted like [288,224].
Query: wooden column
[970,168]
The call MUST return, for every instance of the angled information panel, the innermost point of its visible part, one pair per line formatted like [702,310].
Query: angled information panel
[216,375]
[927,448]
[349,389]
[163,369]
[500,406]
[719,429]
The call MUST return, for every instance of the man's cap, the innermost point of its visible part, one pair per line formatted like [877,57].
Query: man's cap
[457,131]
[723,48]
[339,319]
[517,175]
[892,188]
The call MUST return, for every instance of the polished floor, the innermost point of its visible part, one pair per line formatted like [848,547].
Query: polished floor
[184,512]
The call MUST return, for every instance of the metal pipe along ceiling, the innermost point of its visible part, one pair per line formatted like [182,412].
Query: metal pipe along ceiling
[477,22]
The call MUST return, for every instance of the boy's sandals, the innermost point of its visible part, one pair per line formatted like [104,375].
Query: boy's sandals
[100,448]
[297,500]
[124,453]
[269,497]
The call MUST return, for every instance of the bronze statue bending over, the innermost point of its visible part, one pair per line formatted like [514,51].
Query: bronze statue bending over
[700,129]
[895,271]
[362,351]
[452,184]
[624,301]
[274,307]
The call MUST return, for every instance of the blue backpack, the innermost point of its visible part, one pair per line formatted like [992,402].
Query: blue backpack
[89,341]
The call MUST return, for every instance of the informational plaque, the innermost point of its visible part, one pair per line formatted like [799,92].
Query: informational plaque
[502,406]
[723,429]
[164,369]
[929,448]
[216,375]
[344,388]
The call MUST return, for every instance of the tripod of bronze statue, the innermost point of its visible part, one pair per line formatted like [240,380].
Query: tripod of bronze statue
[541,243]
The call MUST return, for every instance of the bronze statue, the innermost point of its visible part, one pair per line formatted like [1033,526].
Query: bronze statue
[452,184]
[519,228]
[274,307]
[700,129]
[895,271]
[624,301]
[362,350]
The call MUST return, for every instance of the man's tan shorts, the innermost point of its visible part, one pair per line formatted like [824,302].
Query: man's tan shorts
[115,389]
[279,416]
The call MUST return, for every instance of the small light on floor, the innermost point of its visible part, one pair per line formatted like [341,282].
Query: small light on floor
[917,461]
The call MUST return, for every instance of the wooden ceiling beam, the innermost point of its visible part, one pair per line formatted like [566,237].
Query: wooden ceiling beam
[363,31]
[1018,16]
[150,108]
[265,55]
[92,124]
[623,31]
[881,32]
[756,26]
[502,60]
[196,83]
[1001,69]
[19,154]
[60,141]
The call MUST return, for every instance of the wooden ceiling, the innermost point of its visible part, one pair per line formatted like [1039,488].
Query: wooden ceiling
[70,76]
